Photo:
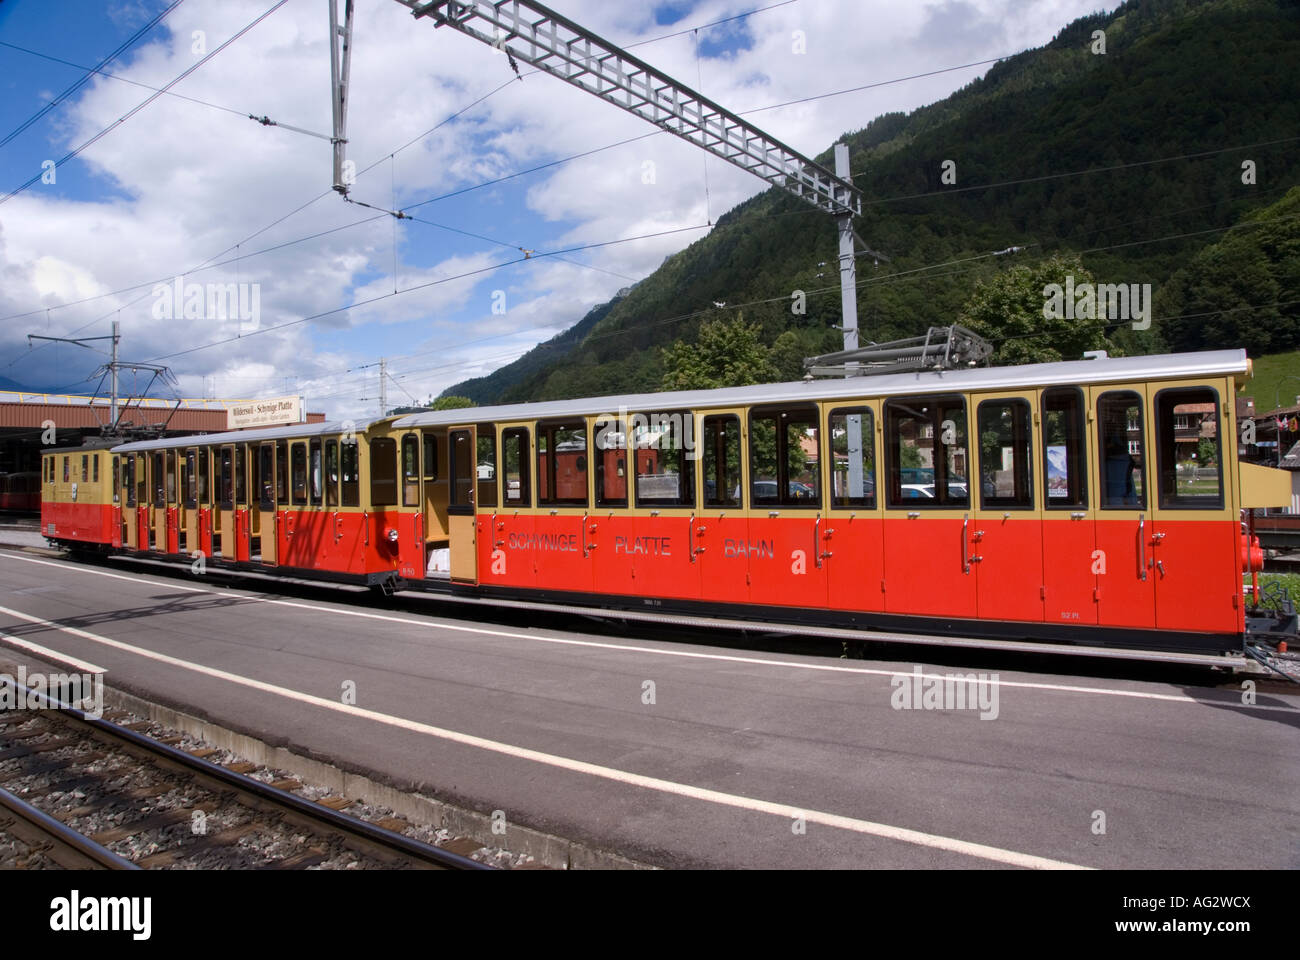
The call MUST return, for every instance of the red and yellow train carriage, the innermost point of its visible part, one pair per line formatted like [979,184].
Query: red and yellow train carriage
[1095,502]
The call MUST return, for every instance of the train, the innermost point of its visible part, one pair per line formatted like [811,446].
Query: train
[1094,504]
[20,492]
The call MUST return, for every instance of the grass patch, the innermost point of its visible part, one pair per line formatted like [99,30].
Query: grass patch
[1290,583]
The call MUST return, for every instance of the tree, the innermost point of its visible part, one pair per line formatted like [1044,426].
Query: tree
[451,403]
[726,353]
[1014,310]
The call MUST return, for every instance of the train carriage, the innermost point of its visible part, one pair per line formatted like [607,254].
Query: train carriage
[1095,502]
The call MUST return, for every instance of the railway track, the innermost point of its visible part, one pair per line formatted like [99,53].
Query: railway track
[85,793]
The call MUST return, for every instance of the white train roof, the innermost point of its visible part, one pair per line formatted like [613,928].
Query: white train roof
[251,436]
[1093,370]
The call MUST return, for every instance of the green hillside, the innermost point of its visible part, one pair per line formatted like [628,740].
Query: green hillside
[1208,83]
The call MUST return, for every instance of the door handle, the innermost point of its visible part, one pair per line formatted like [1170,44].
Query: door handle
[1142,547]
[965,551]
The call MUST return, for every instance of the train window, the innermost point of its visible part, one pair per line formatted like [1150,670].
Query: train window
[562,464]
[430,457]
[383,472]
[611,464]
[117,480]
[266,476]
[460,468]
[191,479]
[331,473]
[1188,450]
[315,476]
[241,489]
[159,480]
[205,470]
[853,460]
[722,461]
[298,467]
[514,456]
[411,470]
[94,470]
[350,473]
[1065,456]
[128,479]
[85,468]
[173,465]
[784,458]
[925,446]
[66,469]
[227,481]
[1006,463]
[1123,463]
[661,448]
[486,466]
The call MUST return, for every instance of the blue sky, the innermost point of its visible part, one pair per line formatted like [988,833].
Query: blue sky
[181,182]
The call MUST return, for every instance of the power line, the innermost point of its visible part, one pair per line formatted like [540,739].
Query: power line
[144,103]
[69,91]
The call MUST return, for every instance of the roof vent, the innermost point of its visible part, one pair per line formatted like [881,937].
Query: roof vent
[1094,355]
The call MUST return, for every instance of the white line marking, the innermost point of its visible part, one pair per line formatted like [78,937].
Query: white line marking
[687,654]
[935,841]
[83,666]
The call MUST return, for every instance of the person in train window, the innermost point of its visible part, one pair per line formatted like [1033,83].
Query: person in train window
[1119,473]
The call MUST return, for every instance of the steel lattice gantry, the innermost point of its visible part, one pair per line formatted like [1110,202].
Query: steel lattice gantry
[542,38]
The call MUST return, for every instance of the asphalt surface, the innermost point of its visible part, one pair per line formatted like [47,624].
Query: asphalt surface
[743,757]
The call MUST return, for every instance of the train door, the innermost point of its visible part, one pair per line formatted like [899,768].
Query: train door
[719,537]
[927,524]
[1006,536]
[265,514]
[118,532]
[1126,594]
[787,525]
[853,537]
[189,513]
[462,491]
[508,558]
[410,521]
[562,545]
[225,471]
[1070,564]
[661,458]
[209,512]
[131,505]
[1194,546]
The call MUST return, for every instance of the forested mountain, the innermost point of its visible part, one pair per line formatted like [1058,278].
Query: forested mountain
[1137,160]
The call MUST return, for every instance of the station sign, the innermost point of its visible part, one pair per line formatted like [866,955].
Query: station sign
[272,412]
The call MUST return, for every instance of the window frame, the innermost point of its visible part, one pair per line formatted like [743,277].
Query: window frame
[376,477]
[992,506]
[350,488]
[548,429]
[619,427]
[686,497]
[721,461]
[784,501]
[1102,496]
[407,479]
[1172,502]
[869,434]
[939,401]
[525,500]
[1081,438]
[332,471]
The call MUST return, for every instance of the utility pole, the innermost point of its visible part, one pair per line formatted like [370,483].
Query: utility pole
[383,387]
[112,369]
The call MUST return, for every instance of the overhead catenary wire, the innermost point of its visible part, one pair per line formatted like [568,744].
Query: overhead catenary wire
[145,102]
[89,71]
